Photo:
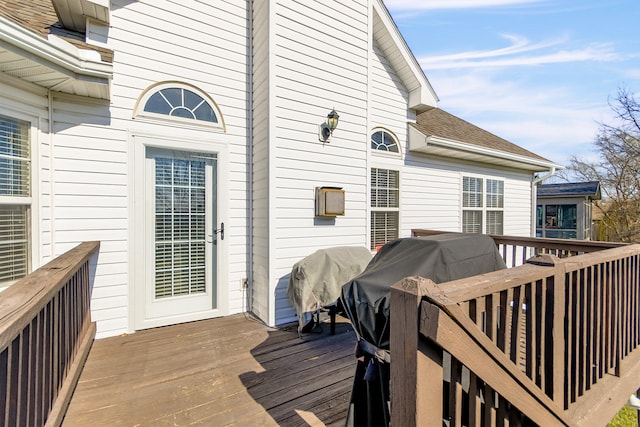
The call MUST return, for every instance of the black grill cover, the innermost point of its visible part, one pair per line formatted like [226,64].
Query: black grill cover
[366,298]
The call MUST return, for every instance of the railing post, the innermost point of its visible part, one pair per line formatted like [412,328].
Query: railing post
[412,401]
[560,396]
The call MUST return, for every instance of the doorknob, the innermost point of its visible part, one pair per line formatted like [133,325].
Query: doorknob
[220,230]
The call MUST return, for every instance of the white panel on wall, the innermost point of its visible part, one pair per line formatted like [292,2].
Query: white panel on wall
[311,80]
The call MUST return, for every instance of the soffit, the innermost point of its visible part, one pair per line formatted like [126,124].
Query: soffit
[73,14]
[34,47]
[52,76]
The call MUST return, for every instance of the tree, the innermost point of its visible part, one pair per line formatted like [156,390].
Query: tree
[617,168]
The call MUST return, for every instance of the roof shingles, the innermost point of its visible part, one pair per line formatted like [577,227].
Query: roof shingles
[437,122]
[589,189]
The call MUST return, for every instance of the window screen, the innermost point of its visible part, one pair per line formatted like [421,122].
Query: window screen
[385,204]
[482,205]
[15,198]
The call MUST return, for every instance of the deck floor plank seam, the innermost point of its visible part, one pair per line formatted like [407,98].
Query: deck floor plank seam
[228,371]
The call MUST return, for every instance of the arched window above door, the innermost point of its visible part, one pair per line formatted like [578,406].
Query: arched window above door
[178,101]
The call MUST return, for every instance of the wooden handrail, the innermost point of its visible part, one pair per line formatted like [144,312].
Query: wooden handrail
[462,339]
[515,250]
[422,361]
[537,242]
[45,336]
[552,342]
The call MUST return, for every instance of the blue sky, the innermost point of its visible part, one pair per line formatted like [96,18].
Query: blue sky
[539,73]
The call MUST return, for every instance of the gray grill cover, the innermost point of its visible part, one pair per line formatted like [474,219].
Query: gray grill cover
[441,258]
[317,279]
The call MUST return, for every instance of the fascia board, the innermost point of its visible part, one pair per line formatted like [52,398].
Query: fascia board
[471,148]
[73,14]
[419,142]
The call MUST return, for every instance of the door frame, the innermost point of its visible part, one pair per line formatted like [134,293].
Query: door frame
[139,142]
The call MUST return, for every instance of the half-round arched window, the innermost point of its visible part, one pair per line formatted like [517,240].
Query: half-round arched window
[179,101]
[384,140]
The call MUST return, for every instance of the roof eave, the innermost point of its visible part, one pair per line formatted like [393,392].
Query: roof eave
[74,66]
[422,96]
[73,14]
[434,145]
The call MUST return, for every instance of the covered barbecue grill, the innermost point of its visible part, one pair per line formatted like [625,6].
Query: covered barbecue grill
[316,280]
[366,299]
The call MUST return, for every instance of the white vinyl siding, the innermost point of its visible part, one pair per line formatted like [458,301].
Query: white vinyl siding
[89,200]
[15,199]
[431,195]
[85,176]
[389,97]
[430,190]
[261,296]
[389,113]
[86,166]
[307,80]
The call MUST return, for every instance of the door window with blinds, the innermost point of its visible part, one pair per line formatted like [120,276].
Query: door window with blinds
[385,206]
[180,224]
[482,205]
[15,199]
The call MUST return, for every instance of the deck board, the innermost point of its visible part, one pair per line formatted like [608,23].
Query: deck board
[228,371]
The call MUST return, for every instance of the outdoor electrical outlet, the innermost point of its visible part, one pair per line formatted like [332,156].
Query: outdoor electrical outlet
[244,283]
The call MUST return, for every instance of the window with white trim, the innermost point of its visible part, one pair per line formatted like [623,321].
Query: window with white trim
[482,205]
[383,140]
[385,206]
[15,199]
[180,102]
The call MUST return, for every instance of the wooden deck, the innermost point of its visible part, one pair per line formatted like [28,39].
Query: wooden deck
[555,339]
[219,372]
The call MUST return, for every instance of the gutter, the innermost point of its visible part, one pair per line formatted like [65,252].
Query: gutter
[498,154]
[52,173]
[534,197]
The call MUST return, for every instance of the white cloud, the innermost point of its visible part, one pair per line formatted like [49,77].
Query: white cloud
[521,52]
[547,95]
[545,119]
[519,44]
[631,73]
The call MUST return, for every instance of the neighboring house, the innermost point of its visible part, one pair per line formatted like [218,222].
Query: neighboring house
[565,211]
[187,137]
[601,229]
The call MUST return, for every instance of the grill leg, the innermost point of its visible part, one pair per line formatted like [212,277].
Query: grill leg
[332,314]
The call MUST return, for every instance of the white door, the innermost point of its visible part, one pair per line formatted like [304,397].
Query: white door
[180,234]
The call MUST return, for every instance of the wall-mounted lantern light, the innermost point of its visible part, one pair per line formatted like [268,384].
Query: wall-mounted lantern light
[327,128]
